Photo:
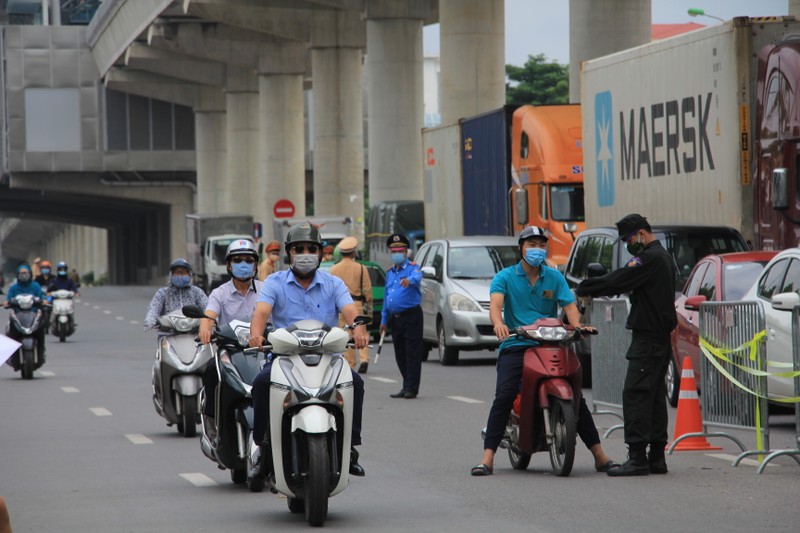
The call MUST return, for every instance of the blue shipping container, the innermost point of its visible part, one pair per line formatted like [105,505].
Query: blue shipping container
[486,172]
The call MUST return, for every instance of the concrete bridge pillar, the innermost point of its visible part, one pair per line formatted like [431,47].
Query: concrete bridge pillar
[241,103]
[602,27]
[473,73]
[282,128]
[210,149]
[337,39]
[395,98]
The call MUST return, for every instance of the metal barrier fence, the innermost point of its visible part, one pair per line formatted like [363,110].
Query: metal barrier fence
[609,364]
[795,452]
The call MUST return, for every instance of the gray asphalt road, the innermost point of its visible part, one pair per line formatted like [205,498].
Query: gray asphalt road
[81,448]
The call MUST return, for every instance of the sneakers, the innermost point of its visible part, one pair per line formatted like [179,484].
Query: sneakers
[363,368]
[257,459]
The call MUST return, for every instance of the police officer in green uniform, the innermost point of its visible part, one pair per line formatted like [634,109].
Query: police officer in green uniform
[650,276]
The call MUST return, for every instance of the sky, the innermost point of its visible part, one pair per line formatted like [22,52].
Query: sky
[542,26]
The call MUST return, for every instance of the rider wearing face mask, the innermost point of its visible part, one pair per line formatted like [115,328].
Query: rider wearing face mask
[45,278]
[235,299]
[25,285]
[288,296]
[174,296]
[62,280]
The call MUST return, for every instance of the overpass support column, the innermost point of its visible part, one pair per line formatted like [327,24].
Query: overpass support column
[282,129]
[241,102]
[395,98]
[210,149]
[473,72]
[602,27]
[337,39]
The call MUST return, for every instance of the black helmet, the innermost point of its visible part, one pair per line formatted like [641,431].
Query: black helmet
[531,231]
[241,247]
[302,232]
[180,262]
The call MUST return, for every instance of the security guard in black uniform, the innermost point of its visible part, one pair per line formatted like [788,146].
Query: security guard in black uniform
[650,275]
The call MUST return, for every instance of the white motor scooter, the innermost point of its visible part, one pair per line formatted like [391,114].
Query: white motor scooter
[62,320]
[311,415]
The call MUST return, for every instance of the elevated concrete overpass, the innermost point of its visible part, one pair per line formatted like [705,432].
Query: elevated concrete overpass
[244,68]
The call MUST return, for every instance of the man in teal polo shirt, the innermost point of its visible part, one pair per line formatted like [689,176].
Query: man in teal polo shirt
[520,295]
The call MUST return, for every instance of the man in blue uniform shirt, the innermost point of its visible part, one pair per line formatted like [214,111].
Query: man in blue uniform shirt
[401,311]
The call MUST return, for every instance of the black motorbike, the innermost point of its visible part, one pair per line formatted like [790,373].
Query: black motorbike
[236,370]
[25,326]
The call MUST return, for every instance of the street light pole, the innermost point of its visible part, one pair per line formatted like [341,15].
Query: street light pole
[694,12]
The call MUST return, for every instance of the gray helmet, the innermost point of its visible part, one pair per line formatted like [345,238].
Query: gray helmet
[241,247]
[180,262]
[302,232]
[531,231]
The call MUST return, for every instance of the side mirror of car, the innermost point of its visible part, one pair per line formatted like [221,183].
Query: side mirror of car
[595,270]
[428,272]
[785,301]
[692,303]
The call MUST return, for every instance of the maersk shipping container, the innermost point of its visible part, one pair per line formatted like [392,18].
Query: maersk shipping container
[443,199]
[486,171]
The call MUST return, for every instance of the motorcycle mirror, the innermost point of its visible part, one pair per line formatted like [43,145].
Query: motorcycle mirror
[193,311]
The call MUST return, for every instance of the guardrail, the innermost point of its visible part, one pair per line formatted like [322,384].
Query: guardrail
[609,364]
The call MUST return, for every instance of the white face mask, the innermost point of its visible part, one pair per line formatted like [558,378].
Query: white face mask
[305,263]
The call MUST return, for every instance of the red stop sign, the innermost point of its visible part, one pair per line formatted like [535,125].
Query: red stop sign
[284,208]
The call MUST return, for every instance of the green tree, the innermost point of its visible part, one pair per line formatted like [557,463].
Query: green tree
[538,82]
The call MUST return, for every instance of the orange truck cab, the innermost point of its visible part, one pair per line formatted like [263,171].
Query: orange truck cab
[547,174]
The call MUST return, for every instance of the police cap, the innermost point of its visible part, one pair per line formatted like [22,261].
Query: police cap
[396,239]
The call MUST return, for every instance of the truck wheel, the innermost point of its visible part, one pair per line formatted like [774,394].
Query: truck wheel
[448,355]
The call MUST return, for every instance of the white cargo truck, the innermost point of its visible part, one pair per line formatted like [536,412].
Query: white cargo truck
[207,240]
[442,196]
[698,129]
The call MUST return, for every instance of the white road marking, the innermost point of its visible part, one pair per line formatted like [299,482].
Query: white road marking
[199,480]
[47,373]
[106,312]
[100,411]
[464,399]
[95,307]
[70,389]
[120,318]
[134,321]
[383,380]
[86,303]
[138,439]
[732,458]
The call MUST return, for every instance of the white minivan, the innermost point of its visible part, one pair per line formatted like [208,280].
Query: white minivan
[778,289]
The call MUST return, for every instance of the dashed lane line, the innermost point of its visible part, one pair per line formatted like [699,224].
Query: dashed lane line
[100,411]
[46,373]
[120,318]
[106,312]
[134,321]
[199,480]
[382,380]
[70,389]
[465,399]
[137,438]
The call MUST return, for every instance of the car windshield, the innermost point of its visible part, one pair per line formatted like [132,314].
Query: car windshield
[566,203]
[737,278]
[480,262]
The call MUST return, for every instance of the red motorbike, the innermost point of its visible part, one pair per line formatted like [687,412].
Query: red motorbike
[545,412]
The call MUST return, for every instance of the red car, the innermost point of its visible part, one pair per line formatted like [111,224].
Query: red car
[715,278]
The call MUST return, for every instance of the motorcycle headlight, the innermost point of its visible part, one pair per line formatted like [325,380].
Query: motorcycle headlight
[551,334]
[185,324]
[310,338]
[243,336]
[459,302]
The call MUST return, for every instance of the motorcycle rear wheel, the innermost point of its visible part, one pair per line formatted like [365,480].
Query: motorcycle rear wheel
[317,480]
[189,417]
[519,460]
[27,364]
[563,424]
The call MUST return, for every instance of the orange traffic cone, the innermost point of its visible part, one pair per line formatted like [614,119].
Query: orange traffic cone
[688,419]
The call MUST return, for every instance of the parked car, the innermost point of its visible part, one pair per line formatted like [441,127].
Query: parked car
[377,276]
[715,278]
[456,274]
[597,246]
[778,288]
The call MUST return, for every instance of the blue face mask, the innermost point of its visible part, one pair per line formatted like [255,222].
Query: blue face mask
[180,281]
[398,259]
[243,270]
[535,256]
[45,271]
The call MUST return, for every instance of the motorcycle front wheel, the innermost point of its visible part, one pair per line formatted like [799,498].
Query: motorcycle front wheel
[317,480]
[189,417]
[562,445]
[28,363]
